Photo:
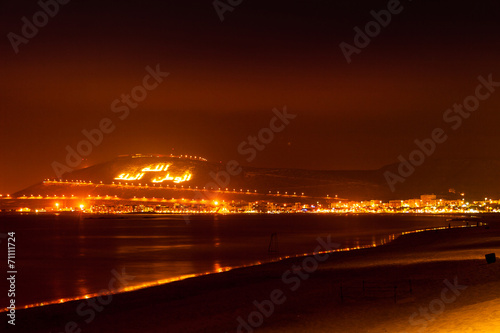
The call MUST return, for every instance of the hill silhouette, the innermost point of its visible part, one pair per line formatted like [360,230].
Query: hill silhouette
[477,178]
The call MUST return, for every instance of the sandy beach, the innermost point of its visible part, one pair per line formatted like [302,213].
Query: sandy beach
[433,281]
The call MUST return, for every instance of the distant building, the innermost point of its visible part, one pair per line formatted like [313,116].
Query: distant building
[413,203]
[395,203]
[428,197]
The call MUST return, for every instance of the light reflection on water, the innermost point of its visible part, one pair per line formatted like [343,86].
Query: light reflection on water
[71,258]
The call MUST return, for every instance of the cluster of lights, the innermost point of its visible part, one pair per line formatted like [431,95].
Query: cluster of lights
[248,206]
[332,205]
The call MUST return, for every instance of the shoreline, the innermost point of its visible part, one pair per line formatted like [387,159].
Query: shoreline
[157,283]
[232,293]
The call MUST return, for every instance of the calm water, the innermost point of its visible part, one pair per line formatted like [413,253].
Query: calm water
[66,256]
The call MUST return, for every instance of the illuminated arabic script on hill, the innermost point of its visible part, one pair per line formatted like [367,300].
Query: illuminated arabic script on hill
[162,174]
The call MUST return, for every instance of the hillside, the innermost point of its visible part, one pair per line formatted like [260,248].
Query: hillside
[478,178]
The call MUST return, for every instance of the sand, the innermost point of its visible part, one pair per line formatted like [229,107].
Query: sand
[308,299]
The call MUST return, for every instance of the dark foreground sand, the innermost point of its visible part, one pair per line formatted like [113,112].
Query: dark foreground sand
[439,264]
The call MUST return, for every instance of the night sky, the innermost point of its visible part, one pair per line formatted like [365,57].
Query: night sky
[226,78]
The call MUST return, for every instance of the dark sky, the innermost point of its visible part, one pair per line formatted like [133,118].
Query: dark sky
[226,77]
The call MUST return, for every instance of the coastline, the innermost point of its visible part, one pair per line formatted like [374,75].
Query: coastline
[214,302]
[276,259]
